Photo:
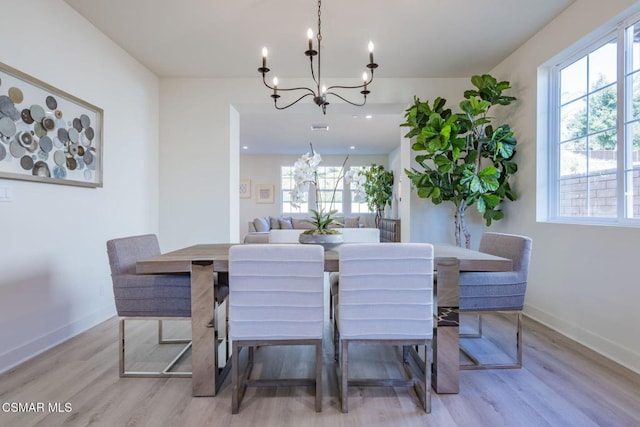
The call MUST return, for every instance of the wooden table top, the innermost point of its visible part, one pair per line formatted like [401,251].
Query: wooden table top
[179,261]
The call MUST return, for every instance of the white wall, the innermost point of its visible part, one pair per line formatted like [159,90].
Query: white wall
[584,279]
[198,173]
[265,169]
[54,274]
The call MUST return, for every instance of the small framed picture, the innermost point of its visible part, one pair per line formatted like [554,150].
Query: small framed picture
[245,188]
[264,193]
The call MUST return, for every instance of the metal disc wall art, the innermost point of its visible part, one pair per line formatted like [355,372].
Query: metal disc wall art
[47,135]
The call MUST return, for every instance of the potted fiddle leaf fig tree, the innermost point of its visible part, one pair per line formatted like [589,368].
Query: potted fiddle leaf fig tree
[378,188]
[372,185]
[464,158]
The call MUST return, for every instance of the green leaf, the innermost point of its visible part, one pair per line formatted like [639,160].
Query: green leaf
[481,205]
[446,132]
[490,200]
[471,156]
[456,153]
[438,104]
[441,160]
[477,81]
[425,192]
[418,146]
[489,172]
[510,167]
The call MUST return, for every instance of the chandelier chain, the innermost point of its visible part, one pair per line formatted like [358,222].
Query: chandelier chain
[319,24]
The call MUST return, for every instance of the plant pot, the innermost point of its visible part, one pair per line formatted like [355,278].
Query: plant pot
[328,241]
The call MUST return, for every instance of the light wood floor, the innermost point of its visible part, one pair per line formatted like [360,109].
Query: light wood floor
[561,384]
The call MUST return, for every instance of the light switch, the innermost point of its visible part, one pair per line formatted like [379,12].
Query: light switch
[6,194]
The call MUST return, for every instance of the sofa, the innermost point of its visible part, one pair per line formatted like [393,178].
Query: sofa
[260,227]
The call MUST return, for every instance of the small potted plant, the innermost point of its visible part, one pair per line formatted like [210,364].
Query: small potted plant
[306,174]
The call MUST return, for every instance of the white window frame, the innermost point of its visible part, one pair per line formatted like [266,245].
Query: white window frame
[346,197]
[624,203]
[296,212]
[329,189]
[352,203]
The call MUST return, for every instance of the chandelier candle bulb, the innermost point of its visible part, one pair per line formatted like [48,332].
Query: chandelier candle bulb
[365,77]
[370,52]
[310,37]
[264,57]
[275,85]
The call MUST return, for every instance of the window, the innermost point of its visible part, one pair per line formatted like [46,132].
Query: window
[327,180]
[595,155]
[357,207]
[286,185]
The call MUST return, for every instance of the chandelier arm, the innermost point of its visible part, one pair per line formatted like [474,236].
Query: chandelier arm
[275,101]
[347,87]
[347,101]
[311,92]
[353,87]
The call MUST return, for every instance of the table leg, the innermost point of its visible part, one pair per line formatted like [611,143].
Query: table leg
[446,353]
[204,357]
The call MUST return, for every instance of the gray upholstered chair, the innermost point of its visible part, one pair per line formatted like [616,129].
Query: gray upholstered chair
[484,292]
[149,296]
[385,296]
[276,297]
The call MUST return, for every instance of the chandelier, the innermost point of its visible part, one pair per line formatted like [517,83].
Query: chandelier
[320,92]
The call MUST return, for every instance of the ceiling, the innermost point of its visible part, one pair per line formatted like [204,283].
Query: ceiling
[413,38]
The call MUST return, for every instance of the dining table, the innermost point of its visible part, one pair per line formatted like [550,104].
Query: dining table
[203,261]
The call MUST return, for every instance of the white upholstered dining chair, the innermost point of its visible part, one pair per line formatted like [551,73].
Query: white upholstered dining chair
[351,235]
[385,295]
[276,297]
[491,292]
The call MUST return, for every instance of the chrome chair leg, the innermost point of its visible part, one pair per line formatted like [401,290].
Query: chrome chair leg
[165,373]
[515,364]
[478,333]
[162,340]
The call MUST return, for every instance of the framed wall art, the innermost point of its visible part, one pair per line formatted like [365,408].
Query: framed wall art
[264,193]
[47,135]
[245,188]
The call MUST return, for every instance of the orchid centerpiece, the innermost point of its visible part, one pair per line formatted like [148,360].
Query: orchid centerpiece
[305,175]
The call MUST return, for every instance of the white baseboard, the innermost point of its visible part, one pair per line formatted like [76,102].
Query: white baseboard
[31,349]
[601,345]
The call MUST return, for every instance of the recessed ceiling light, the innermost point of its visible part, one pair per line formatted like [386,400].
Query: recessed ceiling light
[245,147]
[353,147]
[368,116]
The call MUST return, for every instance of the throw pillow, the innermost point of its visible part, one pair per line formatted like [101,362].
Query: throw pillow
[353,222]
[301,224]
[261,224]
[285,223]
[274,222]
